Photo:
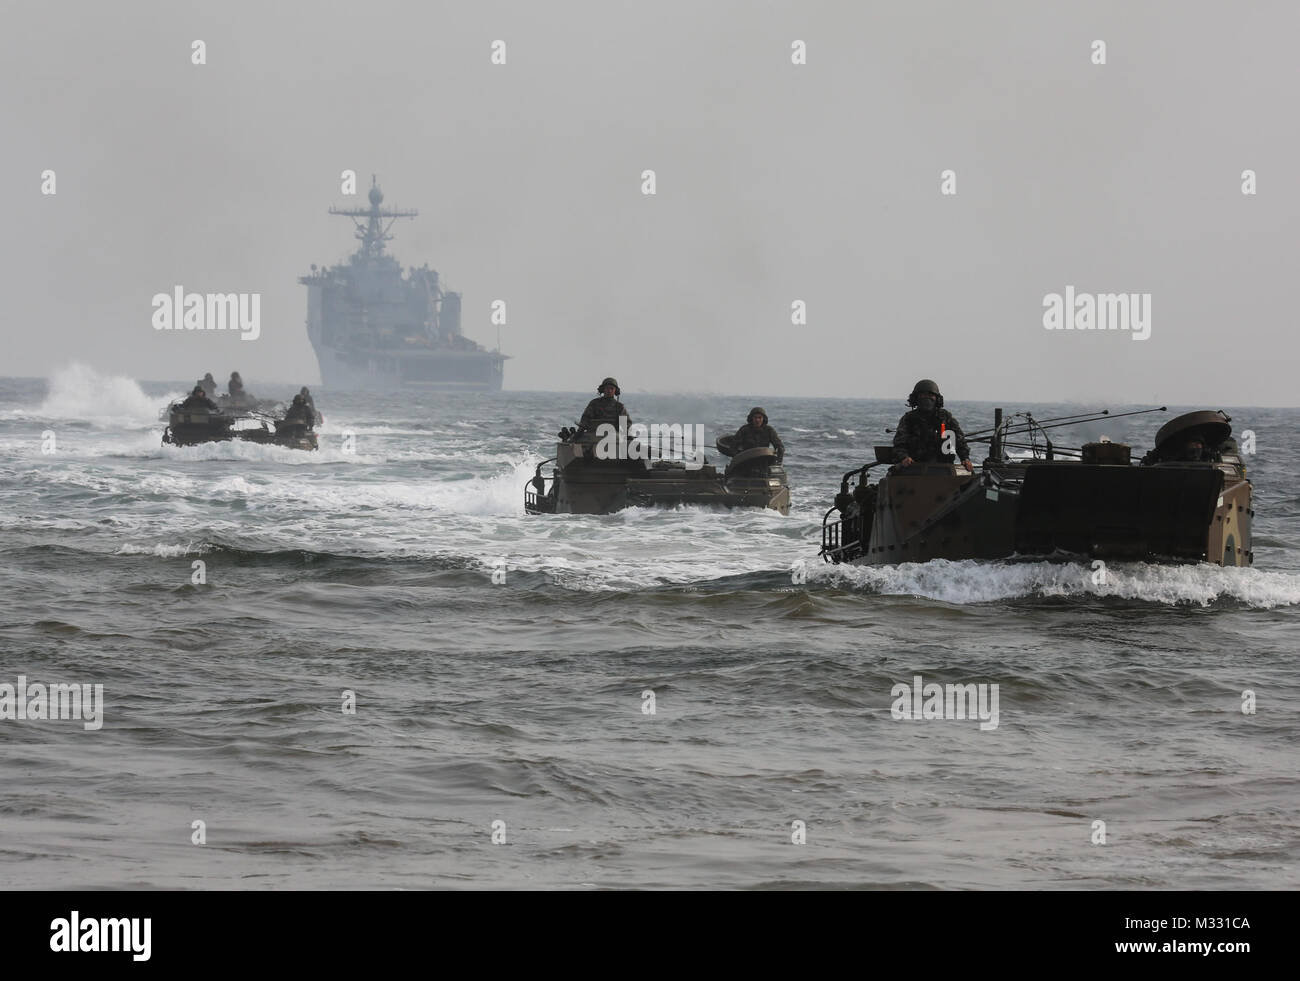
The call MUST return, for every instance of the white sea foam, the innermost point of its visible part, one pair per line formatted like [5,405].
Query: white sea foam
[501,494]
[165,551]
[79,393]
[245,451]
[980,582]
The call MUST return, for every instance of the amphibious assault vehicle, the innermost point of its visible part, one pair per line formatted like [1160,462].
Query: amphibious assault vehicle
[582,483]
[1186,501]
[191,426]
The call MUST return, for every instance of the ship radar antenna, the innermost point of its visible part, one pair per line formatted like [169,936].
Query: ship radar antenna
[372,233]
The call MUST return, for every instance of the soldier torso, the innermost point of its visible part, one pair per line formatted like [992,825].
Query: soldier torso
[199,402]
[752,436]
[605,409]
[922,434]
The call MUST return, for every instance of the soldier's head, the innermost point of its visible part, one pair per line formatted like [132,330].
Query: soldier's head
[925,396]
[208,378]
[304,393]
[299,400]
[757,417]
[234,376]
[1194,448]
[198,390]
[609,387]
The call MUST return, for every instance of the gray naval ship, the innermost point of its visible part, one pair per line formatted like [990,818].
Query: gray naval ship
[375,327]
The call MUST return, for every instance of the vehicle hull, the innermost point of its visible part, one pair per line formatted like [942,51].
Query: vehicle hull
[1170,512]
[583,485]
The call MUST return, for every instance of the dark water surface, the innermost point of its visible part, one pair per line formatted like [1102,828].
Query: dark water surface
[522,702]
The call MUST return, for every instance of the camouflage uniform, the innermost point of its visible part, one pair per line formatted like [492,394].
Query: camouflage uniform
[749,436]
[300,413]
[604,408]
[316,417]
[198,399]
[920,436]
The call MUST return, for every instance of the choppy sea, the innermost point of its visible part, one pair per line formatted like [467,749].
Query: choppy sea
[502,732]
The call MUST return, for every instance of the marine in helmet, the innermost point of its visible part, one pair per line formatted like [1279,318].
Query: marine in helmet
[317,418]
[198,399]
[209,385]
[300,413]
[921,432]
[1194,446]
[1194,450]
[237,396]
[756,432]
[604,408]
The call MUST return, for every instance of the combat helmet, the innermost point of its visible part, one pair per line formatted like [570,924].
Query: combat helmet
[926,387]
[757,410]
[600,389]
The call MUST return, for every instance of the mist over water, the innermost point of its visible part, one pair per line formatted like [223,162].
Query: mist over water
[371,571]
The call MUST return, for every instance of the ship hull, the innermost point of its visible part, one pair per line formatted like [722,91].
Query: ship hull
[385,371]
[355,368]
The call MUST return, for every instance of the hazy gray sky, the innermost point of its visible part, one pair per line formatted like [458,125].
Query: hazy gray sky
[776,182]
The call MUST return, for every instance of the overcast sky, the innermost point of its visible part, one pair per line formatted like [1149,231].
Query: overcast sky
[775,182]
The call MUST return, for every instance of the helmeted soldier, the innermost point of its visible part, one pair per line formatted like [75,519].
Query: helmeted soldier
[1195,449]
[756,432]
[198,399]
[209,385]
[922,431]
[235,387]
[311,404]
[300,413]
[605,408]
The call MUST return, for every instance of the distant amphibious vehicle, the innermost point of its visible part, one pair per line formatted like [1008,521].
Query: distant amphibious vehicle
[583,483]
[197,420]
[1186,501]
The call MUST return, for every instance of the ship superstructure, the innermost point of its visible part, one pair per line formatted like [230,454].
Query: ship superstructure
[374,326]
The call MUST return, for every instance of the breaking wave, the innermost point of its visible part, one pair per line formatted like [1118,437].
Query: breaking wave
[79,393]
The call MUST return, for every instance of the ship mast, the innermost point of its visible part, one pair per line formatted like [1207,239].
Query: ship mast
[373,233]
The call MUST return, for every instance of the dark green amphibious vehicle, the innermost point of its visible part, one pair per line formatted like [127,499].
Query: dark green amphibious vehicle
[583,483]
[1186,501]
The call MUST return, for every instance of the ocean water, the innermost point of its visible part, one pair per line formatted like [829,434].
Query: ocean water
[519,710]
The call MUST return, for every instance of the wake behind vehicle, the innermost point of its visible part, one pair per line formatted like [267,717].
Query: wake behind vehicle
[581,482]
[1187,501]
